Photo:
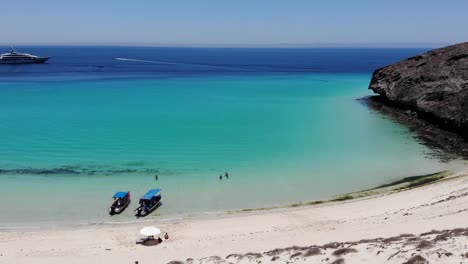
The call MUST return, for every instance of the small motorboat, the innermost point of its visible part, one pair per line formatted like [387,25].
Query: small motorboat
[148,202]
[121,201]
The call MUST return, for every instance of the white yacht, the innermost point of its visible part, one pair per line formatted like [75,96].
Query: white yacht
[14,57]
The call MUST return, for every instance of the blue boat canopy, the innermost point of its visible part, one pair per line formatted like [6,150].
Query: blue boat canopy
[119,195]
[150,194]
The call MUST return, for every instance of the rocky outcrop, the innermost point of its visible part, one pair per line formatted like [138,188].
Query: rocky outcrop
[434,85]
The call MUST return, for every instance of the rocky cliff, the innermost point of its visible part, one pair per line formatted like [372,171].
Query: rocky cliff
[434,85]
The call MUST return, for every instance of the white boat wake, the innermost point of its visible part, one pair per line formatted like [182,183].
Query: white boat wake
[148,61]
[179,63]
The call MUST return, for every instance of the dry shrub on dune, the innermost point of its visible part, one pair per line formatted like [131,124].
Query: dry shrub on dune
[274,258]
[432,232]
[343,251]
[424,244]
[253,255]
[212,259]
[332,245]
[458,231]
[416,260]
[406,235]
[366,240]
[312,252]
[392,239]
[296,248]
[295,255]
[389,240]
[339,261]
[442,237]
[237,256]
[275,252]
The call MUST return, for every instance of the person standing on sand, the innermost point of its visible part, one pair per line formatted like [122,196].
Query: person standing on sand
[226,175]
[220,177]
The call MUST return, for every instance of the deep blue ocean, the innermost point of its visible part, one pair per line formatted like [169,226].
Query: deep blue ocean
[84,63]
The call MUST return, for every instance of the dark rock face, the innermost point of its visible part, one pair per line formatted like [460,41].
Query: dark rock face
[434,85]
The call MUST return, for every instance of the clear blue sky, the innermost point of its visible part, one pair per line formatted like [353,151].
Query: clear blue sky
[256,22]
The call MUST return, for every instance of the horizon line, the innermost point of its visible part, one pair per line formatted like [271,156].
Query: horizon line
[244,45]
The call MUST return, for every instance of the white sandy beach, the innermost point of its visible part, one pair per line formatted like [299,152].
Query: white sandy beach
[439,206]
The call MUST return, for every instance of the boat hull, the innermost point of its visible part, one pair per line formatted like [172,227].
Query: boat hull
[25,61]
[150,210]
[141,213]
[119,210]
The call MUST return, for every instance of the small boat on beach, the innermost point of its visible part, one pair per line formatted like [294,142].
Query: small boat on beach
[148,202]
[121,201]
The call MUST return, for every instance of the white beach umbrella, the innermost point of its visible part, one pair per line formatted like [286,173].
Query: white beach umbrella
[150,231]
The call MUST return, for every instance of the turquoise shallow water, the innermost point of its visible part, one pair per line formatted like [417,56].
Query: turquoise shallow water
[282,138]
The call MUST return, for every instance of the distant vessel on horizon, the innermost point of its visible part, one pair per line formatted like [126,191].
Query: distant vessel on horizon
[14,57]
